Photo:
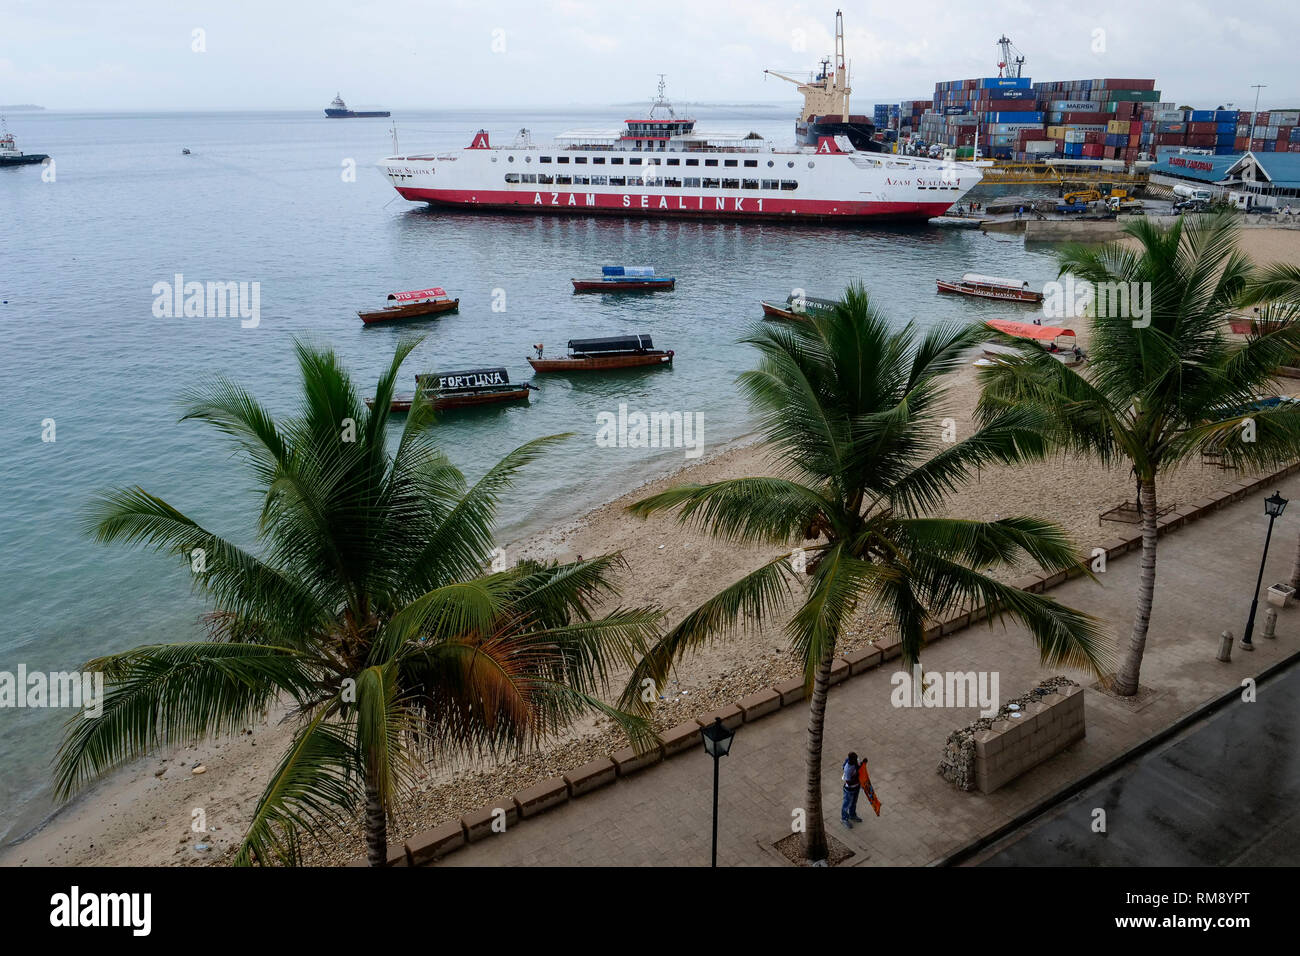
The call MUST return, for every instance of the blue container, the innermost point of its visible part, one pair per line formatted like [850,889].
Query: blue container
[1202,116]
[1016,93]
[1015,117]
[1223,151]
[1229,129]
[1005,82]
[1270,146]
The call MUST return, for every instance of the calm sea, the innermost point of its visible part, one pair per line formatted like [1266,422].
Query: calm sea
[266,198]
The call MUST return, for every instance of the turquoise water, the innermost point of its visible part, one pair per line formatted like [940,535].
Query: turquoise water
[263,198]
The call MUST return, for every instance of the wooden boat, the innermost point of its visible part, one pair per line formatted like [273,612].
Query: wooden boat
[410,305]
[625,279]
[798,307]
[620,351]
[990,287]
[1061,343]
[463,389]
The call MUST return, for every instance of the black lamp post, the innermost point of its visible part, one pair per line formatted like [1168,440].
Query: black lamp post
[717,742]
[1274,505]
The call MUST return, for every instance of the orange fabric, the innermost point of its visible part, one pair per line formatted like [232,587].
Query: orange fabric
[868,790]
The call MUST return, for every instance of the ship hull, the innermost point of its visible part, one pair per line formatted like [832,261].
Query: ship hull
[27,160]
[858,130]
[681,207]
[355,114]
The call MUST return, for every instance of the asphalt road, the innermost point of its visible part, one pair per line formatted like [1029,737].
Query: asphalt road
[1224,792]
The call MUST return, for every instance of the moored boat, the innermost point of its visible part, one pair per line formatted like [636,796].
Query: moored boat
[462,389]
[619,351]
[991,287]
[1060,342]
[409,305]
[797,308]
[625,279]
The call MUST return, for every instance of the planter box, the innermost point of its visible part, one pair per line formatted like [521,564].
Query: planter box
[1012,747]
[1280,595]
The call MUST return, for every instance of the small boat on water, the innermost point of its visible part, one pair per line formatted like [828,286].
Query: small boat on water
[11,155]
[410,305]
[991,287]
[1060,342]
[798,307]
[619,351]
[463,389]
[625,279]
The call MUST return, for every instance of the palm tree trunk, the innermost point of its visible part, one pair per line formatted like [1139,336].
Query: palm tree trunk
[1126,681]
[376,828]
[814,835]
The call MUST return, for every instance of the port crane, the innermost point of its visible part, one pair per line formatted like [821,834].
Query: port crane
[827,93]
[1009,65]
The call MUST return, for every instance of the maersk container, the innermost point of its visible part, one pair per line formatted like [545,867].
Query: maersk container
[1071,106]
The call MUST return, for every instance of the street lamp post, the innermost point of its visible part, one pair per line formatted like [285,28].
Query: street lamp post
[717,742]
[1274,505]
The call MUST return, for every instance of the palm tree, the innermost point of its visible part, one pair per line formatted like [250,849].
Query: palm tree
[852,410]
[1276,289]
[1161,388]
[369,608]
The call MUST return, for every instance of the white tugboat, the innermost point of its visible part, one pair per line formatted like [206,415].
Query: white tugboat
[661,165]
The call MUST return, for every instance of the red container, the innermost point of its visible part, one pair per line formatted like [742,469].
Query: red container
[1257,145]
[1094,137]
[1135,139]
[1093,150]
[1085,119]
[1200,139]
[1241,144]
[1210,128]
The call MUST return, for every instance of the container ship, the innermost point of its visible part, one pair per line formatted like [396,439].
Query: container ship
[339,110]
[826,103]
[661,165]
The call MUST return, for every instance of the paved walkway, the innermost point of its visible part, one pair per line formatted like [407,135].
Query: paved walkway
[661,816]
[1225,792]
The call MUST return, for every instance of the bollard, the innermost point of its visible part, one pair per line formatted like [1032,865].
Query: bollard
[1270,623]
[1225,647]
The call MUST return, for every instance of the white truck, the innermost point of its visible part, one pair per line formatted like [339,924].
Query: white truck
[1193,192]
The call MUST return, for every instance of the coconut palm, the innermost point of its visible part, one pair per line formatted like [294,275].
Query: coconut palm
[1162,388]
[852,410]
[369,607]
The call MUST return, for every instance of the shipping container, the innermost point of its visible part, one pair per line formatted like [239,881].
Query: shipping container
[1003,82]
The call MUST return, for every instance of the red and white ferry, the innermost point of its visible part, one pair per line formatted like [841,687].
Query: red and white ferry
[662,166]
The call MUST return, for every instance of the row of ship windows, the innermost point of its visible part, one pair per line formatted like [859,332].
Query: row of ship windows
[670,161]
[690,182]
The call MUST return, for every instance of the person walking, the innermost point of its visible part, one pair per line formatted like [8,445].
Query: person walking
[852,787]
[864,781]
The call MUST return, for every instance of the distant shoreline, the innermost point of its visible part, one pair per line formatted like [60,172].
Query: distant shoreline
[22,108]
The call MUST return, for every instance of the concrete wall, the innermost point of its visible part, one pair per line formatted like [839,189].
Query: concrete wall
[1012,747]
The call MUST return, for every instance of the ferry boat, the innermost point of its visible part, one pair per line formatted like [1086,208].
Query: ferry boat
[339,110]
[661,165]
[479,386]
[617,351]
[409,305]
[826,103]
[11,155]
[990,287]
[625,279]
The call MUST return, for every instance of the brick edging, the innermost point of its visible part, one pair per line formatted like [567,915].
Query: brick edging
[546,794]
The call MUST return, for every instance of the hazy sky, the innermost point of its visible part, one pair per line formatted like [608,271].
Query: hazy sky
[293,54]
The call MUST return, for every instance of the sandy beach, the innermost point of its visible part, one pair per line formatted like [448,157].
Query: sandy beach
[150,813]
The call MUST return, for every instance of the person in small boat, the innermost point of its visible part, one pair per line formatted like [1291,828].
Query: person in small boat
[539,348]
